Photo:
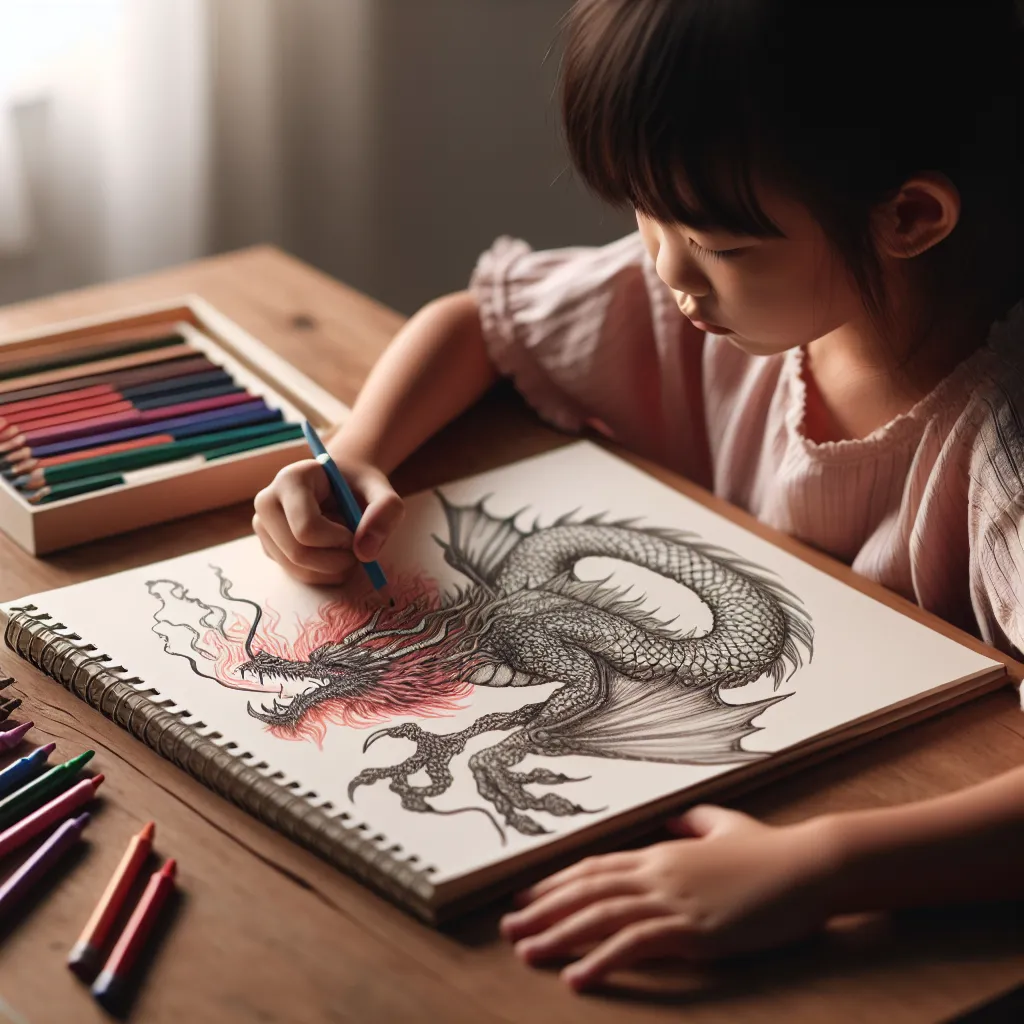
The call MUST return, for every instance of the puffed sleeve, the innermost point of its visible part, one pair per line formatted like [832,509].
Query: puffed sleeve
[587,335]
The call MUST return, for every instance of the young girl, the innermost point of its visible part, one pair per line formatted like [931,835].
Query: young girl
[818,320]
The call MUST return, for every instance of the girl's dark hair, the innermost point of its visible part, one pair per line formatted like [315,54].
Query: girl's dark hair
[677,107]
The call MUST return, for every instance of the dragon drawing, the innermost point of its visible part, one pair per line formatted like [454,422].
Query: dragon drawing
[628,685]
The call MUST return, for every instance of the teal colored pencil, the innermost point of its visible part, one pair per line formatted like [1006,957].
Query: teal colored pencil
[84,485]
[141,457]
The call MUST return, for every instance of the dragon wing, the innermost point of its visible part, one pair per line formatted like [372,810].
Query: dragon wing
[663,720]
[479,542]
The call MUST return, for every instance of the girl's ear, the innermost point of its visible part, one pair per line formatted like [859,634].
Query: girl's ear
[919,216]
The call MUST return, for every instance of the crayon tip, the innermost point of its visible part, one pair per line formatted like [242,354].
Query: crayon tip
[170,868]
[82,820]
[97,781]
[77,762]
[49,748]
[148,831]
[12,737]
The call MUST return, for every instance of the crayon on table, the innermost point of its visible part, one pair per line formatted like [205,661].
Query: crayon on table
[85,954]
[8,707]
[343,496]
[14,776]
[56,810]
[25,800]
[111,980]
[6,681]
[12,737]
[37,866]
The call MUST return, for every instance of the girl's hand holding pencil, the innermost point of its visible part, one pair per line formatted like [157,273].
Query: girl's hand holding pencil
[300,527]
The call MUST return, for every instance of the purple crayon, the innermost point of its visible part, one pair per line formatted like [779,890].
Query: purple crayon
[12,737]
[18,885]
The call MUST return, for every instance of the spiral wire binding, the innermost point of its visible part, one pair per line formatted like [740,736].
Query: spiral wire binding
[91,676]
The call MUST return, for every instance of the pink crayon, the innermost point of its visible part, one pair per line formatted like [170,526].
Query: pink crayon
[12,737]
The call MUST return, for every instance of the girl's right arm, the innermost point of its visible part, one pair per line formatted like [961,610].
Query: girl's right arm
[435,368]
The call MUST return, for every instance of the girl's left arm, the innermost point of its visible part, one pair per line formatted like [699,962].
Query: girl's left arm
[735,884]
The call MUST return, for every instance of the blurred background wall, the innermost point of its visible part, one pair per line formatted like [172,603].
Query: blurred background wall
[385,141]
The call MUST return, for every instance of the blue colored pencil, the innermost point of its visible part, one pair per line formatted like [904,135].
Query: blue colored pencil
[346,500]
[15,776]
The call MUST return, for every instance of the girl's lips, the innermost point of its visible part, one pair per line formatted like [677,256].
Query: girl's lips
[703,325]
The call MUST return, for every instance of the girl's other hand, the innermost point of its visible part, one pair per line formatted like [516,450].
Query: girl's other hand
[296,520]
[734,885]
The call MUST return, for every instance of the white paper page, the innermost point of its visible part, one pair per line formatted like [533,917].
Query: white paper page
[600,665]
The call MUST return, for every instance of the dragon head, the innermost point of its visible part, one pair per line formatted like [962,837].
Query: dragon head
[344,669]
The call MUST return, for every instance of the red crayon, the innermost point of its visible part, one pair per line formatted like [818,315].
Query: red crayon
[12,737]
[123,956]
[38,821]
[85,954]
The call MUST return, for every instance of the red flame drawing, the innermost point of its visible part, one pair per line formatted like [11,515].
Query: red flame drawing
[414,685]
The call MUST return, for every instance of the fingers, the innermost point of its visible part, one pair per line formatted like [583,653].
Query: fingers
[700,821]
[384,511]
[642,940]
[589,925]
[609,862]
[566,900]
[343,561]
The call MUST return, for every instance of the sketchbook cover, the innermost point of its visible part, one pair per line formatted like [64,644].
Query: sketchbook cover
[571,640]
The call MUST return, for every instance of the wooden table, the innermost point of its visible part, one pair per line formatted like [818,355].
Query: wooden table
[265,931]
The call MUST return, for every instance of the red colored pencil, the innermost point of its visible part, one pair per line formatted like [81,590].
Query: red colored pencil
[87,453]
[123,956]
[85,953]
[99,393]
[99,424]
[47,815]
[112,405]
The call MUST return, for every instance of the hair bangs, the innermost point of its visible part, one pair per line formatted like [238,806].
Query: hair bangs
[657,114]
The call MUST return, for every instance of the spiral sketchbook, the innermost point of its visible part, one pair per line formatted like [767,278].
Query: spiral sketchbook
[574,650]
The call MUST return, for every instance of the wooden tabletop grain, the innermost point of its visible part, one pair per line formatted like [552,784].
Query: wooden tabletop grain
[265,931]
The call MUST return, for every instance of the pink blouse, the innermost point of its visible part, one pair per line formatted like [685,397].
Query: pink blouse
[931,505]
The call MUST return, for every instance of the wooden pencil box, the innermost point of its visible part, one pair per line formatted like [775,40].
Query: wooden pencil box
[173,490]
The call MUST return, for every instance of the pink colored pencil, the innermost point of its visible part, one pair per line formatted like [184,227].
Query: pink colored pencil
[50,813]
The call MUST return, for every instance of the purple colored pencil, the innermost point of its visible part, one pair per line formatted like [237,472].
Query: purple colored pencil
[12,737]
[247,413]
[37,866]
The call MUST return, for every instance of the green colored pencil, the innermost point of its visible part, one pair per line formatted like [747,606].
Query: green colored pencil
[83,485]
[152,456]
[35,793]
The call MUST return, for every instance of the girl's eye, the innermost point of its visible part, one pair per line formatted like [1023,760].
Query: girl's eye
[713,254]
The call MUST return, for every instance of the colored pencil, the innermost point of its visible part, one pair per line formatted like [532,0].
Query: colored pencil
[154,455]
[85,954]
[109,984]
[19,884]
[103,405]
[256,411]
[98,366]
[87,348]
[125,418]
[113,379]
[29,797]
[11,371]
[100,481]
[39,821]
[15,775]
[12,737]
[30,465]
[343,496]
